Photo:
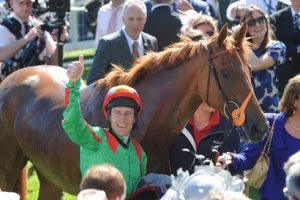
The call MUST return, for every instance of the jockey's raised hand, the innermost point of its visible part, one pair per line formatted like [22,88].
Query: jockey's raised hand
[75,69]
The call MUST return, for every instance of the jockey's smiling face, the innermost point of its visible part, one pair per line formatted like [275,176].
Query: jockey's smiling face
[122,120]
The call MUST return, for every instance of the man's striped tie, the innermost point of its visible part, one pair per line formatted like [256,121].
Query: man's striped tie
[135,51]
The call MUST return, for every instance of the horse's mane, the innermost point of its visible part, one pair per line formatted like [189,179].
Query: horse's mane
[155,62]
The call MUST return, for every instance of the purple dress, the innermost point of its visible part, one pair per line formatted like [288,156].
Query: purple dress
[283,145]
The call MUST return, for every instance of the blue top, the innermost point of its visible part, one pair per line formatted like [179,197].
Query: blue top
[265,82]
[282,147]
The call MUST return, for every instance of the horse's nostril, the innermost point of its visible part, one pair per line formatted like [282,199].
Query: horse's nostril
[256,133]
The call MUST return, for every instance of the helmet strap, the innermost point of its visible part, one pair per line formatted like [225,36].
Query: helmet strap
[107,119]
[135,121]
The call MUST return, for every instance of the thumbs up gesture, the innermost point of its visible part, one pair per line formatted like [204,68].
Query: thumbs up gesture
[75,69]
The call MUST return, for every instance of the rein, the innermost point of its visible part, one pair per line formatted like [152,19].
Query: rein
[237,116]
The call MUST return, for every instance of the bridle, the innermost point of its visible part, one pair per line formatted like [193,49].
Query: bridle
[237,116]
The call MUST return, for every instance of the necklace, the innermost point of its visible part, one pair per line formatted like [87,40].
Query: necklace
[292,124]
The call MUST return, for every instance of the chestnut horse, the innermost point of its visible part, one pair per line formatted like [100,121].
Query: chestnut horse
[171,85]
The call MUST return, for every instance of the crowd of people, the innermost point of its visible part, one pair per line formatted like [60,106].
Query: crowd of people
[112,161]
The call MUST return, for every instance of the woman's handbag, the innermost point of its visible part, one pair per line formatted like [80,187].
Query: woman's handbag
[257,175]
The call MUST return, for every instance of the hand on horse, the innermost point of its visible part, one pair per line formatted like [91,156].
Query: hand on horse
[75,69]
[224,160]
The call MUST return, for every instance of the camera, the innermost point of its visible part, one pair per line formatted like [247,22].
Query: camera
[60,7]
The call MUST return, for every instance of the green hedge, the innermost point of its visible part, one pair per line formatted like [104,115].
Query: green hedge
[73,55]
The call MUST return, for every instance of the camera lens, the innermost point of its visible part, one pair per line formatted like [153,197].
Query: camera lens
[60,7]
[60,4]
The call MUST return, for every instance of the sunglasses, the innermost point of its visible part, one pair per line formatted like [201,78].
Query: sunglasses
[209,33]
[260,20]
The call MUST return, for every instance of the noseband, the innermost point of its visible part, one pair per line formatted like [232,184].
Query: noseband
[237,116]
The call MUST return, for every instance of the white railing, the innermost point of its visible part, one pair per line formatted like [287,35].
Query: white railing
[74,34]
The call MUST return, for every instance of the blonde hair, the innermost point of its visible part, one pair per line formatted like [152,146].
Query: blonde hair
[189,29]
[205,20]
[290,94]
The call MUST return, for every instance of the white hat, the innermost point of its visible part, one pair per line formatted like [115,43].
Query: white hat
[205,179]
[9,196]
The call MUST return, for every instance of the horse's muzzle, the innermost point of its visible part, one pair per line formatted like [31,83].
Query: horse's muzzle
[254,132]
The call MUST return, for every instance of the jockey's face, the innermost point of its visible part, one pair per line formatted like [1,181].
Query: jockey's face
[121,120]
[22,8]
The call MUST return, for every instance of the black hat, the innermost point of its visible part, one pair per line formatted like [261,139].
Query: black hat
[123,102]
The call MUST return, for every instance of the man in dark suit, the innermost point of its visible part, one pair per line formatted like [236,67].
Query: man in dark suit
[287,30]
[163,23]
[123,47]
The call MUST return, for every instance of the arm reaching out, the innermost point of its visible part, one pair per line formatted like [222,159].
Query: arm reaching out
[260,63]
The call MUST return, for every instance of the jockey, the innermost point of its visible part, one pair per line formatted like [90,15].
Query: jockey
[113,145]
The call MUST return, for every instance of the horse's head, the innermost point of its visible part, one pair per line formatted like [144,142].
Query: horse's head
[229,86]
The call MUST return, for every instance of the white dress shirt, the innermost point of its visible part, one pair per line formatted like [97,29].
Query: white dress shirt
[130,42]
[103,18]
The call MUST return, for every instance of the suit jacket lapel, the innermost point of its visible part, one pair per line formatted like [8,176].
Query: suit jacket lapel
[146,43]
[124,48]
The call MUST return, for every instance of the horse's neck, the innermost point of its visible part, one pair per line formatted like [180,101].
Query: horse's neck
[170,98]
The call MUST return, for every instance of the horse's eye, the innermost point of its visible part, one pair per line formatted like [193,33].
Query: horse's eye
[225,73]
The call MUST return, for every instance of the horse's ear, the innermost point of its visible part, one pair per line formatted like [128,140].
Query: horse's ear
[240,34]
[222,35]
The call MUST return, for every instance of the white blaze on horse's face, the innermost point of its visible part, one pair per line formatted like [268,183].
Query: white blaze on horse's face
[122,120]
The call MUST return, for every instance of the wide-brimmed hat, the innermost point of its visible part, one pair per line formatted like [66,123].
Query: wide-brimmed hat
[204,180]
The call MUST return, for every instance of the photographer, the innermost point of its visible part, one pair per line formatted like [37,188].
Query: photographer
[25,44]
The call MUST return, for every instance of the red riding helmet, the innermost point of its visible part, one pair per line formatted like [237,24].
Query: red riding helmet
[122,96]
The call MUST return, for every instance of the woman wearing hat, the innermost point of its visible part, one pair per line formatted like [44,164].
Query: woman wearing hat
[113,145]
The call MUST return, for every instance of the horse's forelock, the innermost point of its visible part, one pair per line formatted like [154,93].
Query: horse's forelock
[243,48]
